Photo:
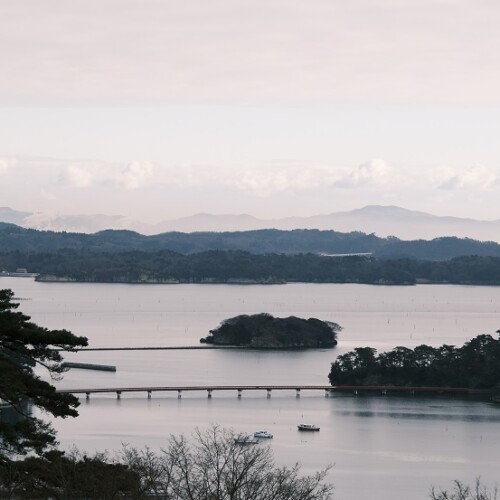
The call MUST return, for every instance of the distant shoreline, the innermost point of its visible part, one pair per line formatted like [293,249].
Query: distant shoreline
[64,279]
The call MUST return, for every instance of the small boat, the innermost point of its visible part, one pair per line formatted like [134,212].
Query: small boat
[245,439]
[308,427]
[262,435]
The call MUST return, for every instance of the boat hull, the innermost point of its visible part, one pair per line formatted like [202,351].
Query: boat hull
[308,427]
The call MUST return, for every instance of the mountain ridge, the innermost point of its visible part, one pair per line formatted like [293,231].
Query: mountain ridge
[14,239]
[383,220]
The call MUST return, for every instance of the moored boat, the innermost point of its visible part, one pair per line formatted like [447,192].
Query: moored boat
[245,439]
[308,427]
[262,435]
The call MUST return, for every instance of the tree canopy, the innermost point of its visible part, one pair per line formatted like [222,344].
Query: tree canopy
[165,266]
[260,241]
[474,365]
[265,331]
[24,346]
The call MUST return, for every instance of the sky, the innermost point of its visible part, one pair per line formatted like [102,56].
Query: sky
[159,109]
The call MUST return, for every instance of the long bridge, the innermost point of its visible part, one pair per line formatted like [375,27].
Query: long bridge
[328,390]
[159,348]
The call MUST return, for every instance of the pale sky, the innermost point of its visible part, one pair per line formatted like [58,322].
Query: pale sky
[157,109]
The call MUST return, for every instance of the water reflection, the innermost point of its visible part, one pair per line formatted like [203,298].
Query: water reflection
[421,416]
[420,408]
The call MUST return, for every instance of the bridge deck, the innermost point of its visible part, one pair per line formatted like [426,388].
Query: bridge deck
[240,388]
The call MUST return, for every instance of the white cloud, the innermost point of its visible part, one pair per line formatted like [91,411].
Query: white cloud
[477,177]
[47,195]
[375,172]
[267,182]
[285,187]
[6,164]
[79,177]
[262,180]
[259,181]
[135,175]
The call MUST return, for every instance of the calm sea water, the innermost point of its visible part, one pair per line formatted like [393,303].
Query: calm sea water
[381,447]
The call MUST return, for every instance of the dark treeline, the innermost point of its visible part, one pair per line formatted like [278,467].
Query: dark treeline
[262,241]
[474,365]
[223,267]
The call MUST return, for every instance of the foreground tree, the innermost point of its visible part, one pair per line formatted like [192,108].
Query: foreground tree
[213,466]
[72,476]
[210,466]
[23,346]
[462,491]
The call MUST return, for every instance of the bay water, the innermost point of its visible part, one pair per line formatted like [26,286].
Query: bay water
[381,447]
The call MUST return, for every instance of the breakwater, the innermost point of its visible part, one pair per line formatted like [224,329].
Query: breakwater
[89,366]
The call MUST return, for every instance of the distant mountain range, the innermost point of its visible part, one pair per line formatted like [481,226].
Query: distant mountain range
[15,239]
[382,220]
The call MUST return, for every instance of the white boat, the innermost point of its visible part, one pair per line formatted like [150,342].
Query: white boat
[19,273]
[262,435]
[245,439]
[308,427]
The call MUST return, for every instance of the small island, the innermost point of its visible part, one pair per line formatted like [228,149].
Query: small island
[264,331]
[473,366]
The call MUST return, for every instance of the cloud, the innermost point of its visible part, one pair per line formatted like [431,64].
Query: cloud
[79,177]
[262,182]
[153,51]
[477,177]
[267,182]
[47,195]
[133,176]
[6,164]
[372,173]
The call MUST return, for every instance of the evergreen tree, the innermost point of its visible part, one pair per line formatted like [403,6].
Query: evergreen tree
[24,346]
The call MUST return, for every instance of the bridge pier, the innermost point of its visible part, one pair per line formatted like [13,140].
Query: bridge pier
[209,393]
[149,394]
[269,393]
[87,396]
[239,393]
[179,394]
[118,394]
[297,393]
[327,393]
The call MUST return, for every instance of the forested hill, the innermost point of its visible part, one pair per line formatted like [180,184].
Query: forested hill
[266,241]
[474,365]
[264,331]
[243,267]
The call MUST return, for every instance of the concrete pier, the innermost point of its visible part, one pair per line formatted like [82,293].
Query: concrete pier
[89,366]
